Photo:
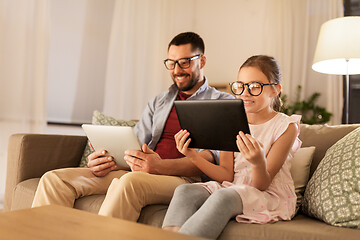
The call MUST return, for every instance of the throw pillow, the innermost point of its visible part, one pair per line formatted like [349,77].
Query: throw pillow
[333,192]
[102,119]
[300,171]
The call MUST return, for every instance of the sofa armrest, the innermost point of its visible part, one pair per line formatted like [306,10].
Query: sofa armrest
[31,155]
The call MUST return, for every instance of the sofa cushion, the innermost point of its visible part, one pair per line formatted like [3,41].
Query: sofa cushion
[300,170]
[333,192]
[102,119]
[299,228]
[24,193]
[153,215]
[90,203]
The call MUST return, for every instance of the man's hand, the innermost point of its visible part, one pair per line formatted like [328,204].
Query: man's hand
[99,164]
[144,161]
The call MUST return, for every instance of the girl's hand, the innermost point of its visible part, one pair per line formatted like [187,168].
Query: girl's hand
[251,149]
[182,143]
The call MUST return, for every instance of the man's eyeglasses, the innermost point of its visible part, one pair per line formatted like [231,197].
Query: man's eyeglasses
[254,88]
[183,62]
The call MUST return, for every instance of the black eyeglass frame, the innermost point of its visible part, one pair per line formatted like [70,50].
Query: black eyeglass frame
[248,87]
[189,59]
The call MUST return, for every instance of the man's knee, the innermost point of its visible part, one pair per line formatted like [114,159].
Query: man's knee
[134,178]
[60,178]
[50,177]
[131,182]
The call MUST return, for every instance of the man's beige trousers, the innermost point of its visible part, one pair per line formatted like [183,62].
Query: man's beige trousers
[126,192]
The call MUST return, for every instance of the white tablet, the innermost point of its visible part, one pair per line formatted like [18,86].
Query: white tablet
[114,139]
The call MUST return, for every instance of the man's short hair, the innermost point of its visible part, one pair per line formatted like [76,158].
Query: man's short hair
[189,37]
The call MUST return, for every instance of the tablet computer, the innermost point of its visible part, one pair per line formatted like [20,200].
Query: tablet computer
[114,139]
[213,124]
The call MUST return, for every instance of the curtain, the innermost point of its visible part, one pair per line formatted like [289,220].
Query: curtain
[135,46]
[141,31]
[292,29]
[23,70]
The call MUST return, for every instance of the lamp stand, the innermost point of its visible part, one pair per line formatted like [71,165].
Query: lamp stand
[347,82]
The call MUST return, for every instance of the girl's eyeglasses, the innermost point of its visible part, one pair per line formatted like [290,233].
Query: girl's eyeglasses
[254,88]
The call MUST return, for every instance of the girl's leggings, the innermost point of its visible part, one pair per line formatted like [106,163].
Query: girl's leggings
[200,213]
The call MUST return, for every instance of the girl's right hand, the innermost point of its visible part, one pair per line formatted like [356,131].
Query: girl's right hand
[251,149]
[182,143]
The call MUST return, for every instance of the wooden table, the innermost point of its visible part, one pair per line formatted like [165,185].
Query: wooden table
[56,222]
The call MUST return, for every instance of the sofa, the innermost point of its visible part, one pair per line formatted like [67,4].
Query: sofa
[31,155]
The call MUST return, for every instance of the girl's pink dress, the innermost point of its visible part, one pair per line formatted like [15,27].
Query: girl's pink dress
[276,203]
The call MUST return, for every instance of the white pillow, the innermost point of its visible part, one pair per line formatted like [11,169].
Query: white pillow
[300,171]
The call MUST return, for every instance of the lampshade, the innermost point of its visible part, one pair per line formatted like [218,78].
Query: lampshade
[338,47]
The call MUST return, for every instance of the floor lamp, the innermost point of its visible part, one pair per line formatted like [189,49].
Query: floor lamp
[338,50]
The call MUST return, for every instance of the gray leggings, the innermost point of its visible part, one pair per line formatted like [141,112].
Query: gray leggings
[200,213]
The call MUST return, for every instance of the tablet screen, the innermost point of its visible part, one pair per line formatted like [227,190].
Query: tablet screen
[114,139]
[213,124]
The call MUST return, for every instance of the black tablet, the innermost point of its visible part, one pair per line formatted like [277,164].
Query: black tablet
[213,124]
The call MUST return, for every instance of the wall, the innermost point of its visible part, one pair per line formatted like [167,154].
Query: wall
[79,39]
[236,33]
[232,30]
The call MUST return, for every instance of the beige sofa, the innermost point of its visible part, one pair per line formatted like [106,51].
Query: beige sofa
[31,155]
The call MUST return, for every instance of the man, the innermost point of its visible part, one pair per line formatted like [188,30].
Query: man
[159,168]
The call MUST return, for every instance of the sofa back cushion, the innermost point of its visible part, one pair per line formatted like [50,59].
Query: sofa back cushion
[322,137]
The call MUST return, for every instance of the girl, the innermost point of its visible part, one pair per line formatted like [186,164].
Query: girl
[254,184]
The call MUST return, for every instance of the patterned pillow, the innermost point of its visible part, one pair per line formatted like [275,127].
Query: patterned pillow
[101,119]
[333,192]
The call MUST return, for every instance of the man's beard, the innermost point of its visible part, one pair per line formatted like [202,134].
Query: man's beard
[193,81]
